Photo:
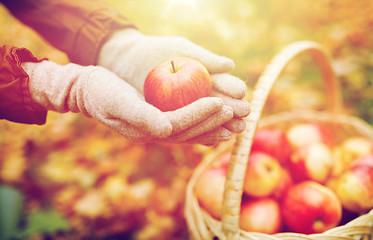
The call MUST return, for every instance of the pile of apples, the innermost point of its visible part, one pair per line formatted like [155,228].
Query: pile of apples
[298,179]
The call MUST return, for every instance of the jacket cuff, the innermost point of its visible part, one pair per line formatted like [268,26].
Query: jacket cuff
[98,29]
[16,104]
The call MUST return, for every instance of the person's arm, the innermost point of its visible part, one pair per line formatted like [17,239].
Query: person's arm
[29,87]
[16,104]
[96,92]
[76,27]
[84,30]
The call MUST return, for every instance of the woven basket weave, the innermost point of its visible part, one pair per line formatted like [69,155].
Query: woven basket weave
[202,226]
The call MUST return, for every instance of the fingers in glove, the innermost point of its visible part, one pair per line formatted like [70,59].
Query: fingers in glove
[132,133]
[206,132]
[210,123]
[215,136]
[213,63]
[229,85]
[192,120]
[241,107]
[235,125]
[150,119]
[194,113]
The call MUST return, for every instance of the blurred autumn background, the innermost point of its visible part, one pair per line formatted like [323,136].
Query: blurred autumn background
[80,180]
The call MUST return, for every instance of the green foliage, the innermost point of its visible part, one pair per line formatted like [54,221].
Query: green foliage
[365,109]
[11,202]
[44,221]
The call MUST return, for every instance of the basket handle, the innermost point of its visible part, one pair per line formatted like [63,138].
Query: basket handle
[241,149]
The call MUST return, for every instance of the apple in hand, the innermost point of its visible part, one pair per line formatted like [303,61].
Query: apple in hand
[209,190]
[273,142]
[177,83]
[262,175]
[309,207]
[355,188]
[261,215]
[306,133]
[311,162]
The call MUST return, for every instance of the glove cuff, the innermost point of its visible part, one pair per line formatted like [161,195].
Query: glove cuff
[117,45]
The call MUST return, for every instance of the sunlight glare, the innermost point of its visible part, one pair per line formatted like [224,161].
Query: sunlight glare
[186,4]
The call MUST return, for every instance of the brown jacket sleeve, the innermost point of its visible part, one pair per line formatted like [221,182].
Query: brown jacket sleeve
[15,99]
[76,27]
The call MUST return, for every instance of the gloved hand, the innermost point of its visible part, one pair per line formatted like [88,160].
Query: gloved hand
[99,93]
[131,55]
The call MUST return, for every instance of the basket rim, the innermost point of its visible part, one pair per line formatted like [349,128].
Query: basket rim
[359,124]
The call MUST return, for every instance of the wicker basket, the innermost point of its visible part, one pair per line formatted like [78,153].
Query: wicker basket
[202,226]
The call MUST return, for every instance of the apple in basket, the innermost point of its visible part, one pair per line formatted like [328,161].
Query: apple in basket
[177,83]
[366,160]
[356,147]
[262,175]
[209,187]
[305,133]
[222,161]
[349,150]
[261,215]
[309,207]
[273,142]
[311,162]
[355,187]
[284,184]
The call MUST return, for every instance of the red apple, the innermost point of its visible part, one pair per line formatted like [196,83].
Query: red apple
[309,207]
[306,133]
[209,190]
[273,142]
[222,161]
[283,185]
[261,215]
[209,187]
[177,83]
[355,188]
[262,175]
[311,162]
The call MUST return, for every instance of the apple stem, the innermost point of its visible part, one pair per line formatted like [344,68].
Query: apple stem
[173,66]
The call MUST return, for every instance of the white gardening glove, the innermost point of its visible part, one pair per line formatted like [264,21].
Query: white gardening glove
[99,93]
[131,55]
